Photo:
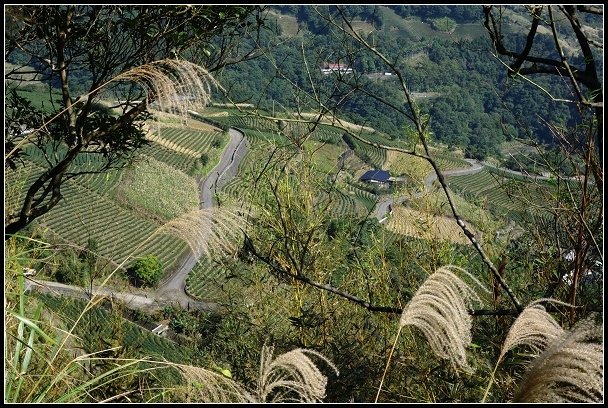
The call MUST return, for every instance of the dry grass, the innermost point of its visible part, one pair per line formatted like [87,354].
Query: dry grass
[291,377]
[217,229]
[422,225]
[534,327]
[175,85]
[440,309]
[569,370]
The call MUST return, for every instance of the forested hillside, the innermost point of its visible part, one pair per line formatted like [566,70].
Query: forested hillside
[470,101]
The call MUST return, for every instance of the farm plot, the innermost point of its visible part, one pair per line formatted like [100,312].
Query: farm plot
[418,224]
[328,134]
[349,203]
[193,140]
[95,322]
[448,162]
[502,194]
[184,163]
[159,190]
[251,122]
[374,156]
[324,156]
[401,164]
[84,214]
[205,281]
[365,198]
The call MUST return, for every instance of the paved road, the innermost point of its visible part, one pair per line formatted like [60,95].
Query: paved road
[225,169]
[133,301]
[173,288]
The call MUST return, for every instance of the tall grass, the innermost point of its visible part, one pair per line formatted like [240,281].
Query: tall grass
[46,362]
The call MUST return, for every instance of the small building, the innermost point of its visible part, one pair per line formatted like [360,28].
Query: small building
[376,176]
[329,68]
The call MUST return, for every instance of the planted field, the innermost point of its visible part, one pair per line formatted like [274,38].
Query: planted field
[343,205]
[371,155]
[84,214]
[159,189]
[402,164]
[96,321]
[328,134]
[186,164]
[325,156]
[250,122]
[193,140]
[365,198]
[204,282]
[449,162]
[502,194]
[406,221]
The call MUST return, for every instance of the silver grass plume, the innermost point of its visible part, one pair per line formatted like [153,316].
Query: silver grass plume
[173,84]
[204,385]
[291,377]
[569,370]
[209,230]
[440,309]
[534,327]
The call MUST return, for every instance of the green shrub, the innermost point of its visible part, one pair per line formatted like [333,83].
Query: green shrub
[146,270]
[71,270]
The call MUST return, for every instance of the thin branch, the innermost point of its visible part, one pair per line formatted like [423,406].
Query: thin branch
[440,176]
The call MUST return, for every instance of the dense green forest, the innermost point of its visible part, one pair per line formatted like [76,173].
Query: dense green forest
[298,203]
[476,107]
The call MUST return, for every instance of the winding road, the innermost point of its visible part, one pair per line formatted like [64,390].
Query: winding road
[383,207]
[173,288]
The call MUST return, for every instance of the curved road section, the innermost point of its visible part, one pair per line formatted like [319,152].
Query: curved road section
[173,288]
[383,207]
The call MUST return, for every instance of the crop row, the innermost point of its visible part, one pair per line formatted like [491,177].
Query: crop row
[204,281]
[342,204]
[56,153]
[252,122]
[195,140]
[84,214]
[450,163]
[95,322]
[501,193]
[371,155]
[367,199]
[182,162]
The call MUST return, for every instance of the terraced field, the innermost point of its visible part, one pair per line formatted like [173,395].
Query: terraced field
[372,155]
[138,339]
[415,168]
[418,224]
[502,194]
[180,161]
[85,214]
[205,281]
[365,198]
[89,209]
[193,140]
[159,189]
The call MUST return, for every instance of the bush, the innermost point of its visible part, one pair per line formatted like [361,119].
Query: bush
[71,270]
[204,159]
[146,270]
